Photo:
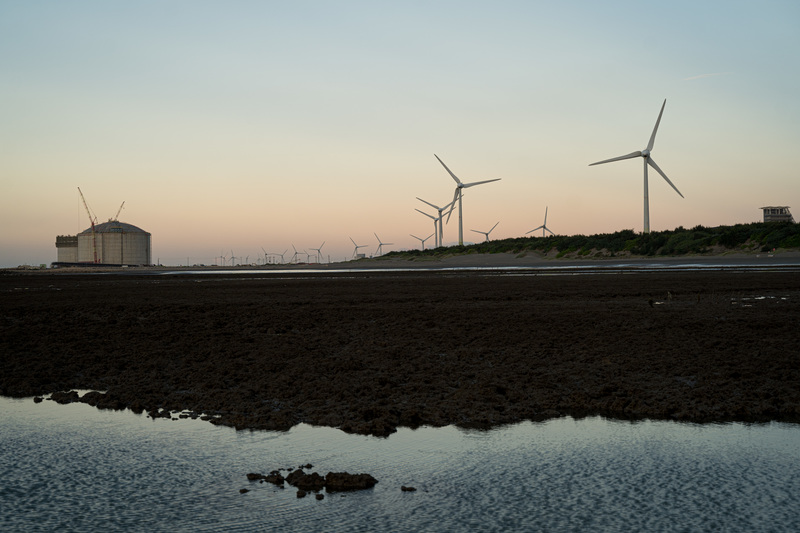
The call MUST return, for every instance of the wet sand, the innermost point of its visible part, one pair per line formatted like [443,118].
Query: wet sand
[372,351]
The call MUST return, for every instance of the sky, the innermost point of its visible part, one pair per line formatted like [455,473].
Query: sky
[228,127]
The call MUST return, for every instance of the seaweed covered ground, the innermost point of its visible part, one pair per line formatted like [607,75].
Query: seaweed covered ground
[368,352]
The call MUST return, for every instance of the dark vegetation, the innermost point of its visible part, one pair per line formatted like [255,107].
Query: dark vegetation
[755,237]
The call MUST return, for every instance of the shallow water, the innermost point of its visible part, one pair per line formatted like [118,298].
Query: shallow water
[75,468]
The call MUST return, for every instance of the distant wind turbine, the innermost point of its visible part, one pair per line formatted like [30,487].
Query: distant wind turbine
[457,196]
[357,246]
[422,241]
[436,220]
[441,210]
[543,227]
[486,232]
[319,251]
[294,256]
[648,160]
[381,244]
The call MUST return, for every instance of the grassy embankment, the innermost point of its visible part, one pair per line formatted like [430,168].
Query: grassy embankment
[744,238]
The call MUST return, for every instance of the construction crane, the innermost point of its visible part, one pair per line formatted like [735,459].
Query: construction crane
[93,221]
[116,217]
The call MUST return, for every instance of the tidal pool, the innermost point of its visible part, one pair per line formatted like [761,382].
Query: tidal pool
[76,468]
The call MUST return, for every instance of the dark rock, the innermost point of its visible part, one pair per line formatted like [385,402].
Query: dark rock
[301,494]
[65,397]
[320,496]
[304,481]
[242,491]
[407,489]
[254,477]
[274,478]
[342,481]
[38,399]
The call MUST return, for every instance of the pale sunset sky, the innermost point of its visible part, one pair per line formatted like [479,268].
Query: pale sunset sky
[236,125]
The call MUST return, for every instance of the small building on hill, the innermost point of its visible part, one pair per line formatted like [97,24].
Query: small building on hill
[777,214]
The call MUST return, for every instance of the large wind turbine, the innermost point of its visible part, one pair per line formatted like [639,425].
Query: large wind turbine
[543,227]
[381,244]
[440,237]
[457,196]
[486,232]
[648,160]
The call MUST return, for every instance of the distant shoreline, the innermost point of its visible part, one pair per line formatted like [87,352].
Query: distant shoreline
[468,260]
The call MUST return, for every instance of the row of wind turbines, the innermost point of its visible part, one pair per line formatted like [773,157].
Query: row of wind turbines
[447,210]
[460,186]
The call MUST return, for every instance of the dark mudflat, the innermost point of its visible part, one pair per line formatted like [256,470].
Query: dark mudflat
[374,351]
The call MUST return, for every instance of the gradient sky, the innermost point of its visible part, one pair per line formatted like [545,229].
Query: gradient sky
[239,125]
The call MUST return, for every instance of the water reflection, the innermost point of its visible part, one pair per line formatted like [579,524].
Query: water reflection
[76,468]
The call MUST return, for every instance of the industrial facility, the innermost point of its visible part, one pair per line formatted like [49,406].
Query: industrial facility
[111,243]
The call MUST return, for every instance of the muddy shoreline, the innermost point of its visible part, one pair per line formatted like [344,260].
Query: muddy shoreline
[368,353]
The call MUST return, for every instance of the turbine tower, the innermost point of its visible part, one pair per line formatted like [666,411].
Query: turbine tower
[457,196]
[648,160]
[422,241]
[543,227]
[486,232]
[381,244]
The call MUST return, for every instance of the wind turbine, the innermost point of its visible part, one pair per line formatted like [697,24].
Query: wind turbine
[357,246]
[543,227]
[486,232]
[294,257]
[457,196]
[648,160]
[379,251]
[435,226]
[441,210]
[422,241]
[319,251]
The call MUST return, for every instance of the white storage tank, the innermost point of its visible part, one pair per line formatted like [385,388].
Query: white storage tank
[115,243]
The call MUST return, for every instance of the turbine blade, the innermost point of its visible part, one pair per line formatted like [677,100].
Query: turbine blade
[494,226]
[653,164]
[447,169]
[479,182]
[534,229]
[351,240]
[653,136]
[452,205]
[545,216]
[551,233]
[620,158]
[426,202]
[424,213]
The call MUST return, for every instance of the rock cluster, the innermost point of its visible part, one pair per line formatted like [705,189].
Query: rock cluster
[313,482]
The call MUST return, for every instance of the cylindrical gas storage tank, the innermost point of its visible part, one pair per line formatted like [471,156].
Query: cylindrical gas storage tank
[114,243]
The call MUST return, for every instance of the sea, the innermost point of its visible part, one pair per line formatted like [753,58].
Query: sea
[76,468]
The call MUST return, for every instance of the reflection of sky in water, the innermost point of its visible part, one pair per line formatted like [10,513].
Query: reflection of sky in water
[78,468]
